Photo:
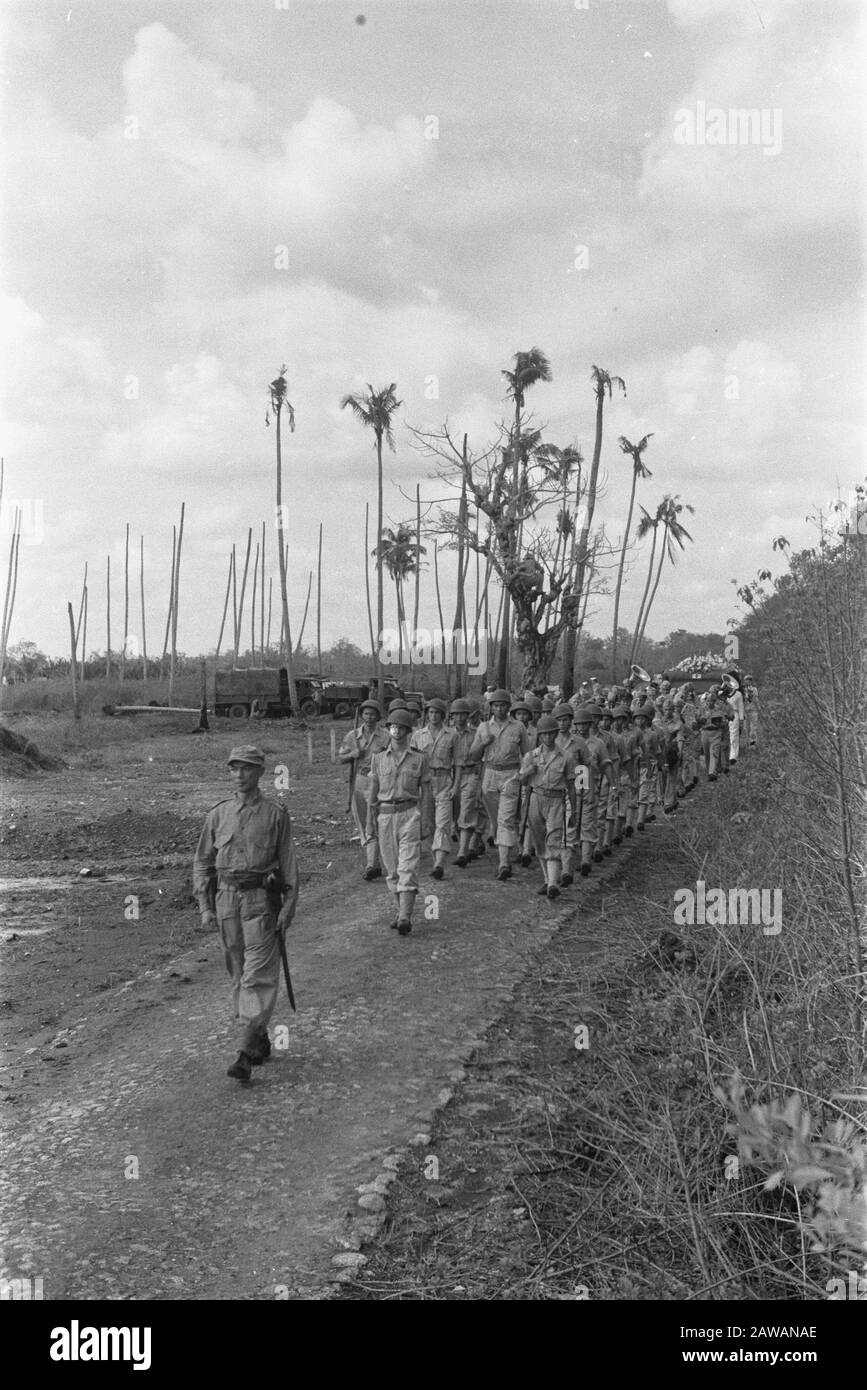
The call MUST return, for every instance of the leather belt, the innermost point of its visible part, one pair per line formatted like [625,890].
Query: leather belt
[241,879]
[503,767]
[386,807]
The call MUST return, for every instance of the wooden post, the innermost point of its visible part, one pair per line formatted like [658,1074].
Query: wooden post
[319,605]
[243,589]
[253,606]
[226,602]
[144,640]
[262,601]
[309,746]
[171,602]
[84,637]
[108,617]
[268,638]
[125,603]
[73,664]
[80,619]
[175,608]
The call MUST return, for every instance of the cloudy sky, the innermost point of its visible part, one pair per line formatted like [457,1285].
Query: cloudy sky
[195,193]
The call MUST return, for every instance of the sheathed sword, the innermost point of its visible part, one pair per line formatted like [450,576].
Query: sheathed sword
[273,884]
[281,937]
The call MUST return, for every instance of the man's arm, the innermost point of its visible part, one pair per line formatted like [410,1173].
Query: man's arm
[288,871]
[372,795]
[205,873]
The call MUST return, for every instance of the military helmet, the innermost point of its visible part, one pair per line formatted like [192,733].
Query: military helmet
[371,704]
[397,704]
[460,706]
[563,711]
[547,724]
[401,717]
[499,697]
[534,703]
[647,710]
[438,704]
[585,714]
[247,753]
[620,712]
[521,705]
[547,705]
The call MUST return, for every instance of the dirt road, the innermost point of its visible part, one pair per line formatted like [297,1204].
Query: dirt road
[136,1169]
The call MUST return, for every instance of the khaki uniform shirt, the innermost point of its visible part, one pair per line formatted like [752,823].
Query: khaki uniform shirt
[397,777]
[439,746]
[550,771]
[362,745]
[509,744]
[241,835]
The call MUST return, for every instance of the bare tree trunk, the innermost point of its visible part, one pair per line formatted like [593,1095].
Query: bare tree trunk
[268,638]
[236,634]
[306,606]
[84,637]
[439,602]
[144,636]
[367,585]
[417,567]
[284,598]
[108,615]
[319,604]
[262,601]
[80,619]
[243,588]
[171,605]
[73,663]
[636,636]
[176,588]
[640,640]
[11,586]
[380,598]
[253,607]
[125,603]
[229,577]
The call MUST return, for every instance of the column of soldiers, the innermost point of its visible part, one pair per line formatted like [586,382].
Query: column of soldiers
[564,782]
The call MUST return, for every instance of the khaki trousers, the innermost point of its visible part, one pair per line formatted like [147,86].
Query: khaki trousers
[248,929]
[500,792]
[400,847]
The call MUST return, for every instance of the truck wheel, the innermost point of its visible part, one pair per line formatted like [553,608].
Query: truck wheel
[238,711]
[308,708]
[342,710]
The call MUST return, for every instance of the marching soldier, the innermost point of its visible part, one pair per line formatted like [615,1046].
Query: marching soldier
[710,720]
[588,784]
[627,792]
[438,740]
[396,812]
[690,742]
[357,749]
[671,753]
[736,700]
[647,750]
[548,774]
[467,786]
[501,742]
[574,747]
[523,712]
[245,879]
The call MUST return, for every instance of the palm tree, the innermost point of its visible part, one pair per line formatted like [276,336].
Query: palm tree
[277,392]
[375,409]
[638,471]
[530,368]
[667,512]
[399,555]
[647,523]
[603,382]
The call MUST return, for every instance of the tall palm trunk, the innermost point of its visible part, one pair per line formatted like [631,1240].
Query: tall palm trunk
[284,598]
[571,639]
[653,593]
[638,624]
[620,574]
[380,598]
[144,637]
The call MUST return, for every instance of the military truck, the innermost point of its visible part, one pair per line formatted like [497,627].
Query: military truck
[235,692]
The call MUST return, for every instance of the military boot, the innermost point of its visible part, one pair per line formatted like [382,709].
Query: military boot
[241,1070]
